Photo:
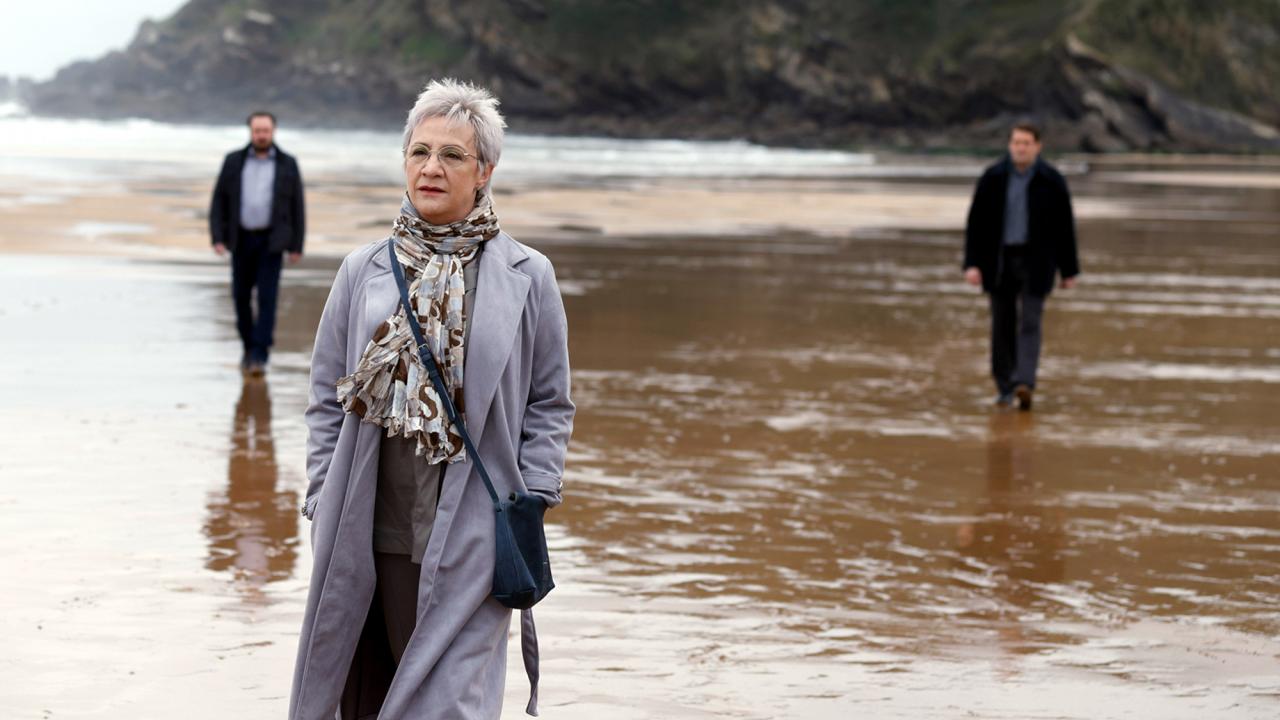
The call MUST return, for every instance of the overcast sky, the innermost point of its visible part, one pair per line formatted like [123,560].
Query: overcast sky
[39,36]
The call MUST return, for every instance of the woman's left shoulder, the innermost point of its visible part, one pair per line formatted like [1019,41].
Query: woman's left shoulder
[528,259]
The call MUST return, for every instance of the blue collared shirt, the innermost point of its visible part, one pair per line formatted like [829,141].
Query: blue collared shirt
[257,185]
[1015,205]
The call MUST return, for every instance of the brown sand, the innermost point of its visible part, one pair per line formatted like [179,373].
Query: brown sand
[148,219]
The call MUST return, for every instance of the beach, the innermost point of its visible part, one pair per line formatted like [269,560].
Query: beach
[787,495]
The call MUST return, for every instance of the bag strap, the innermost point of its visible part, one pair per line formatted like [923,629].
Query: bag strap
[528,633]
[433,371]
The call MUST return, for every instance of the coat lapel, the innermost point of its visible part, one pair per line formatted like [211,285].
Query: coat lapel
[233,188]
[381,297]
[277,182]
[501,290]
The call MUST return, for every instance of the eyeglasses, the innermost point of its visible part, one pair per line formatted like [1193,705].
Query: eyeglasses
[450,156]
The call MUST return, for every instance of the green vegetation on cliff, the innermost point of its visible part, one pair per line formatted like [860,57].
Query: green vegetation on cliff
[1101,74]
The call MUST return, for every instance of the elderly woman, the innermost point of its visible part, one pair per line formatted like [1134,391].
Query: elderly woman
[399,620]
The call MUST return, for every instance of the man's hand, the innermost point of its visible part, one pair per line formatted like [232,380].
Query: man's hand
[294,257]
[1068,283]
[973,276]
[219,249]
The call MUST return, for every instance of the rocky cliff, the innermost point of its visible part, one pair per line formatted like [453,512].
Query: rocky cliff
[1101,75]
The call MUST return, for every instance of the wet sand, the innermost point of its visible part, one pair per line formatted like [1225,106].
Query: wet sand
[786,497]
[148,218]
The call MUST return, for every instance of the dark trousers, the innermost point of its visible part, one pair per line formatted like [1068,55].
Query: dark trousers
[253,265]
[1016,317]
[393,614]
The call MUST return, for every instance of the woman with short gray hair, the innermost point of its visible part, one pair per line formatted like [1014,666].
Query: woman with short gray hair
[399,619]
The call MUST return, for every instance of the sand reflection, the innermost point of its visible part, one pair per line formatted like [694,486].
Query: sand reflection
[252,523]
[1019,533]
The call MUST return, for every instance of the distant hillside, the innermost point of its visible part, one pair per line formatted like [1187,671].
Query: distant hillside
[1102,75]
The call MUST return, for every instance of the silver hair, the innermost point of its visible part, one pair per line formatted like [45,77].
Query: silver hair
[460,102]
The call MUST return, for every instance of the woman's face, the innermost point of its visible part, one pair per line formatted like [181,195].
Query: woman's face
[442,187]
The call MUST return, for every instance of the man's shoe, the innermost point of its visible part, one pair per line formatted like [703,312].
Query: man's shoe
[256,369]
[1004,400]
[1024,397]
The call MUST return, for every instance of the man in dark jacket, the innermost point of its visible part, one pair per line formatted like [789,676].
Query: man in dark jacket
[257,215]
[1020,235]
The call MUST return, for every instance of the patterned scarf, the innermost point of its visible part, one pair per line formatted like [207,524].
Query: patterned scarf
[390,387]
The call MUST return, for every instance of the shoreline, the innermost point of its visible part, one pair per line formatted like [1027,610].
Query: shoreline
[149,218]
[938,142]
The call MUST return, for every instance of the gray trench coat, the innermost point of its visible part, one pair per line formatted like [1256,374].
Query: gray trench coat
[517,407]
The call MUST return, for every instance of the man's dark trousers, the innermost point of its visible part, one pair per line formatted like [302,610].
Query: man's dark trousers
[1016,315]
[253,265]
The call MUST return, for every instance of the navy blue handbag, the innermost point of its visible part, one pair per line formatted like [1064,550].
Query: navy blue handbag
[521,568]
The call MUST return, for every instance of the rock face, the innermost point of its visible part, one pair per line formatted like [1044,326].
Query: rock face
[14,89]
[1101,75]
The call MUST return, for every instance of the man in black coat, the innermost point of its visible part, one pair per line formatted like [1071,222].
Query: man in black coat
[1019,237]
[257,214]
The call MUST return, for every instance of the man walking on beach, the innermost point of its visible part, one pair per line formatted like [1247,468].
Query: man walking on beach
[257,215]
[1020,235]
